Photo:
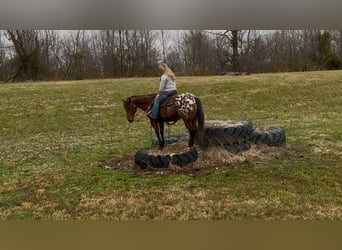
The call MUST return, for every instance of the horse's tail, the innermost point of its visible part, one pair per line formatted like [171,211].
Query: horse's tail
[200,119]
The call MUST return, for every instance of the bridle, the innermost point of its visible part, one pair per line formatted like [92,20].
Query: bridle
[138,112]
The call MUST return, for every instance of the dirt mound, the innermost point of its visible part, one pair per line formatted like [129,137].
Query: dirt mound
[209,161]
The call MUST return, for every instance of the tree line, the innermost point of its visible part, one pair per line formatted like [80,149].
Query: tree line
[31,55]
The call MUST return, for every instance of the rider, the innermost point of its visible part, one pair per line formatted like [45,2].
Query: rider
[167,86]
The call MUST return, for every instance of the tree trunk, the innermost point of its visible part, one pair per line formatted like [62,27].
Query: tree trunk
[340,43]
[27,46]
[235,45]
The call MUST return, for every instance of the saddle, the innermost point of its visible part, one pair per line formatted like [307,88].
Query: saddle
[170,100]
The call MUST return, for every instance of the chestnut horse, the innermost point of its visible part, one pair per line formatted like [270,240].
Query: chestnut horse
[184,106]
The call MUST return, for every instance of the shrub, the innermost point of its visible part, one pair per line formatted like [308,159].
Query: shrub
[332,61]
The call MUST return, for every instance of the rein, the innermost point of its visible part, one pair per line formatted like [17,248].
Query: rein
[142,113]
[136,116]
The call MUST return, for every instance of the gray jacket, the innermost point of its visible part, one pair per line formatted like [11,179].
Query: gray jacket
[166,83]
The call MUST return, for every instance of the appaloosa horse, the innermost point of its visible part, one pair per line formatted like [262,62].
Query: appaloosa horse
[184,106]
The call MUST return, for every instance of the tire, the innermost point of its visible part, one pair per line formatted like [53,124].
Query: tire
[269,135]
[144,160]
[234,135]
[185,158]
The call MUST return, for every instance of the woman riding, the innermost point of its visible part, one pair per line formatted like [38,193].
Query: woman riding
[167,86]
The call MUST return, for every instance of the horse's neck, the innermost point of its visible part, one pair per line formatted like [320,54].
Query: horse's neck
[142,102]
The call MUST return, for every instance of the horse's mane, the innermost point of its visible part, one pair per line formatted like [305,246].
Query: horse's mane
[139,96]
[134,96]
[128,100]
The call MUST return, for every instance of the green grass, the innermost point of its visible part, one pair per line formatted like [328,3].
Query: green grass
[55,135]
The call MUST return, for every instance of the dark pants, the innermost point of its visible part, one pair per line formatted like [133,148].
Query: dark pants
[162,97]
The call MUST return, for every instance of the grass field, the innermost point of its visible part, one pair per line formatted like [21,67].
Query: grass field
[55,138]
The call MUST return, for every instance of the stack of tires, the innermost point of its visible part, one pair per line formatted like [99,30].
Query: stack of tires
[237,135]
[269,135]
[234,135]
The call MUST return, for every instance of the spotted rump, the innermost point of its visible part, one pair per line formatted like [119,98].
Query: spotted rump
[186,103]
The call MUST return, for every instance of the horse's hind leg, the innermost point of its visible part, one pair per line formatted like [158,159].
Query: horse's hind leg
[191,126]
[192,138]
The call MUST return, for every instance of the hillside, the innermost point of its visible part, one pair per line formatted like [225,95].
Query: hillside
[57,139]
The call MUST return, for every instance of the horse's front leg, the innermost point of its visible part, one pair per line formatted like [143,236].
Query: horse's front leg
[162,141]
[156,128]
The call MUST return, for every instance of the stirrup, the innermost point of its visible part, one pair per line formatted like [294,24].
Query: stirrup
[149,114]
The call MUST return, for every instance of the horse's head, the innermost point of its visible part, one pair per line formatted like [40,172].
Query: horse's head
[130,108]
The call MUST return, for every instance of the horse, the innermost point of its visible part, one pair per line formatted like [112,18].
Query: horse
[184,106]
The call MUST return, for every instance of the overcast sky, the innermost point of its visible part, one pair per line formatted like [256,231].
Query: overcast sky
[175,14]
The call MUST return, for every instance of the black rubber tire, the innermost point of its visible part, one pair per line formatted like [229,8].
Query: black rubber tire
[234,135]
[185,158]
[271,136]
[144,160]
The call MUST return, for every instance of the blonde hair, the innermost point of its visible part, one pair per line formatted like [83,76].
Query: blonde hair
[167,71]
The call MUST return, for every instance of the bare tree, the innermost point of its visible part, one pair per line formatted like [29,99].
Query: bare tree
[46,55]
[195,49]
[340,43]
[78,57]
[174,57]
[2,55]
[35,54]
[27,47]
[50,63]
[253,52]
[232,41]
[165,43]
[235,55]
[148,52]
